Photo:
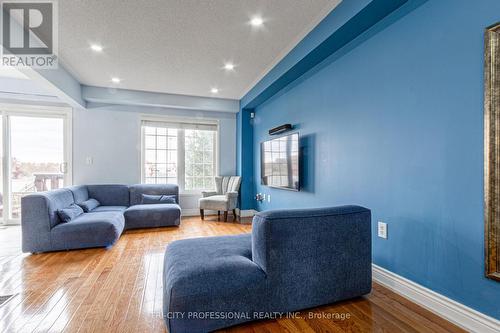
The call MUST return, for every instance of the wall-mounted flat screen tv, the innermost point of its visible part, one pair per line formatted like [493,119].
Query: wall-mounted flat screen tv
[279,162]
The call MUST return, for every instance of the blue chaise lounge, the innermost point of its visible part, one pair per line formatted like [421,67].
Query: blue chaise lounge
[293,260]
[108,210]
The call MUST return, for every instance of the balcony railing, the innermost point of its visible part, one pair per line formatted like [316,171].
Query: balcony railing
[39,182]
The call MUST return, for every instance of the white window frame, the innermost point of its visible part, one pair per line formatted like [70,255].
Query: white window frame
[180,150]
[8,110]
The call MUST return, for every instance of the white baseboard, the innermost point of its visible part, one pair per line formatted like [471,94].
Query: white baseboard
[196,212]
[245,212]
[457,313]
[190,212]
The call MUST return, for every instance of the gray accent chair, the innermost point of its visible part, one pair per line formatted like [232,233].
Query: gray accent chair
[293,259]
[120,208]
[225,198]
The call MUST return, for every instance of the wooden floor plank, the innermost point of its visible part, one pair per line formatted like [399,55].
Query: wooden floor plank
[121,290]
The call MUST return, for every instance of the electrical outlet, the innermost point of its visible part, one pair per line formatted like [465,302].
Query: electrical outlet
[268,198]
[89,160]
[382,230]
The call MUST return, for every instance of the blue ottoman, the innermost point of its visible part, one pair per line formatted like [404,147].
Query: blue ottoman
[293,260]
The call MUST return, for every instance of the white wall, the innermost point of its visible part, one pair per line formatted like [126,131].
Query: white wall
[110,135]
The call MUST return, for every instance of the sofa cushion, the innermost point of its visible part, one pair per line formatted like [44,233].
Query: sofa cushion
[157,215]
[214,274]
[215,202]
[89,205]
[331,244]
[55,200]
[88,230]
[109,209]
[80,193]
[110,195]
[148,199]
[136,191]
[69,213]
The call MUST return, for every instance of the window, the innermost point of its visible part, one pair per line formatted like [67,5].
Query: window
[160,155]
[179,153]
[36,143]
[199,159]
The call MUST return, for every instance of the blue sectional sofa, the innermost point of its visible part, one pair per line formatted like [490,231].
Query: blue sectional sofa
[293,260]
[119,207]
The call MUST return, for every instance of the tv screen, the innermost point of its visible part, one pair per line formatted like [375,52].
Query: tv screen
[279,162]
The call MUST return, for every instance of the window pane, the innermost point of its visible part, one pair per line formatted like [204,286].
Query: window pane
[150,156]
[172,156]
[172,142]
[209,183]
[207,170]
[208,157]
[161,142]
[199,159]
[198,170]
[150,142]
[150,170]
[171,170]
[161,180]
[197,156]
[160,164]
[189,171]
[161,170]
[189,183]
[161,156]
[198,182]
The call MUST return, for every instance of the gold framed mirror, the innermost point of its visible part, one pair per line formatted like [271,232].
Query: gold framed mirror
[492,150]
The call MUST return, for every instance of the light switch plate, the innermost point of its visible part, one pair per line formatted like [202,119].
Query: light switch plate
[382,230]
[268,198]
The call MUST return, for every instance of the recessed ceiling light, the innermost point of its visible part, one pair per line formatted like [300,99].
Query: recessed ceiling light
[115,80]
[214,90]
[96,47]
[256,21]
[229,66]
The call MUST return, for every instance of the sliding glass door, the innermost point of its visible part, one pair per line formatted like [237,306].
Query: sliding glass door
[36,155]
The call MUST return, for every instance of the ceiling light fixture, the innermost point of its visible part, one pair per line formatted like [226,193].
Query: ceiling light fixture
[96,47]
[256,21]
[229,66]
[115,80]
[214,90]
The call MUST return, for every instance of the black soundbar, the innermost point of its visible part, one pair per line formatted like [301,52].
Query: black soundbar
[280,129]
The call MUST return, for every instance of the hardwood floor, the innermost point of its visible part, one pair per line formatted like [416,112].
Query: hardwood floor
[120,290]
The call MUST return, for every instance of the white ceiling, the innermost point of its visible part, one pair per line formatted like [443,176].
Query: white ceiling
[11,73]
[180,46]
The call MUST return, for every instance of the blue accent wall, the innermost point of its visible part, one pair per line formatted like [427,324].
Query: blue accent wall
[396,124]
[244,158]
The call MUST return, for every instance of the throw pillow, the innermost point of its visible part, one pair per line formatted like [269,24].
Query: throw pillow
[69,213]
[89,204]
[148,199]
